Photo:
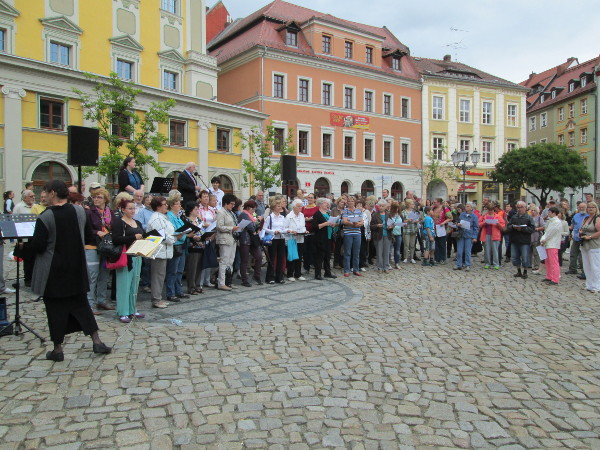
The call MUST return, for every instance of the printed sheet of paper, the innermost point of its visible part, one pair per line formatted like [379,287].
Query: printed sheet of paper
[414,216]
[145,247]
[244,223]
[25,229]
[491,221]
[334,220]
[542,252]
[440,230]
[465,224]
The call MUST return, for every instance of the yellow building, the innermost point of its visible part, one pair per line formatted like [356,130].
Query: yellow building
[467,109]
[46,46]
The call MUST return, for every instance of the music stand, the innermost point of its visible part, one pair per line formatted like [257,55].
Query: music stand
[18,226]
[161,185]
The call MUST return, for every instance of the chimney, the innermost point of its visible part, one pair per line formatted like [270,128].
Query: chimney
[447,58]
[532,74]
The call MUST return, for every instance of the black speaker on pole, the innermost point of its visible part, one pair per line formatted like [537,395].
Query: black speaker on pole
[288,168]
[83,146]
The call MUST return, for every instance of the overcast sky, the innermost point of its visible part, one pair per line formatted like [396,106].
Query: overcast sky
[507,38]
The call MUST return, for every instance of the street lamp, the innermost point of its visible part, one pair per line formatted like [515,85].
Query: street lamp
[460,160]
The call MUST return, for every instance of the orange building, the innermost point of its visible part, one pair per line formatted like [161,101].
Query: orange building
[350,92]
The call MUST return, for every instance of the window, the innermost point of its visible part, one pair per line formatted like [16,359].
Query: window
[465,144]
[486,152]
[404,153]
[542,98]
[278,81]
[2,40]
[60,53]
[326,145]
[561,114]
[369,55]
[177,132]
[303,142]
[543,120]
[348,147]
[291,38]
[348,98]
[326,94]
[511,115]
[278,140]
[405,111]
[303,90]
[369,101]
[511,146]
[583,135]
[51,114]
[387,152]
[486,113]
[583,105]
[583,81]
[125,70]
[532,123]
[348,48]
[169,5]
[326,44]
[465,110]
[543,141]
[223,141]
[120,125]
[571,110]
[395,63]
[170,80]
[438,148]
[368,149]
[387,105]
[553,94]
[571,86]
[561,139]
[437,108]
[571,138]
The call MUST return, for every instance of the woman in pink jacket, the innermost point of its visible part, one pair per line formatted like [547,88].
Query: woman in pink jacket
[491,225]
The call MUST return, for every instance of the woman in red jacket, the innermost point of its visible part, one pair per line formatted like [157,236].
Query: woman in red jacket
[491,223]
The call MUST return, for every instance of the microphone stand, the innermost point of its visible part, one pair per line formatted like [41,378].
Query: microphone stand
[196,174]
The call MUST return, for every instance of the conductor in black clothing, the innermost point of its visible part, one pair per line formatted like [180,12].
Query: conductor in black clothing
[60,272]
[322,241]
[187,184]
[130,179]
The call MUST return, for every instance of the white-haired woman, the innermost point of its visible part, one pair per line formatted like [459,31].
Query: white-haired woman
[295,225]
[323,233]
[381,234]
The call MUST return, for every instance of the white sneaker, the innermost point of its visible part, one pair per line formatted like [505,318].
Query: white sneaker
[300,279]
[8,290]
[413,261]
[405,261]
[363,269]
[291,279]
[10,256]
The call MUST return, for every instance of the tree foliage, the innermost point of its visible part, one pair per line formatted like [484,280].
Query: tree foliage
[262,169]
[546,167]
[436,171]
[112,104]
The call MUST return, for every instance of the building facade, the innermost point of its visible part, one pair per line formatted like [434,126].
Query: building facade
[467,109]
[348,92]
[562,108]
[46,47]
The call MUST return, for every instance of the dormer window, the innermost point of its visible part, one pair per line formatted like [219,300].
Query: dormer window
[553,94]
[542,98]
[583,81]
[291,38]
[396,63]
[571,86]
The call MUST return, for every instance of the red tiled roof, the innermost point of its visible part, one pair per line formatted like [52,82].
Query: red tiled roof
[453,70]
[544,77]
[562,81]
[261,29]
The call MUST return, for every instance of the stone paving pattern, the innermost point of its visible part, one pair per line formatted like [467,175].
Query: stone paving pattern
[426,358]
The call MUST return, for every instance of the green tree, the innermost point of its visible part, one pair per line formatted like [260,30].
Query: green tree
[111,105]
[437,171]
[262,169]
[547,167]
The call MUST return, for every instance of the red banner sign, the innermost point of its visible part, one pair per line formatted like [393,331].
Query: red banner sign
[470,187]
[349,121]
[479,174]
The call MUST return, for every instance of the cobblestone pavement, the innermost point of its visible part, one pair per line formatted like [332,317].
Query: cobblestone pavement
[427,357]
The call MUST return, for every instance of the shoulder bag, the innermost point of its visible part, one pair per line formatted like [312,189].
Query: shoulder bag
[267,239]
[108,249]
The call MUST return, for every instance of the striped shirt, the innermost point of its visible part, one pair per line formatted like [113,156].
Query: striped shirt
[352,216]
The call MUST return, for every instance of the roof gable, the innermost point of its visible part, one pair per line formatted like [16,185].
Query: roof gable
[127,42]
[8,10]
[172,55]
[61,23]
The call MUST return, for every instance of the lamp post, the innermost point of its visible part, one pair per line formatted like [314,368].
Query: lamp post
[460,160]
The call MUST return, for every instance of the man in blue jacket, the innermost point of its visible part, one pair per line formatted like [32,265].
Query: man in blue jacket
[468,236]
[575,256]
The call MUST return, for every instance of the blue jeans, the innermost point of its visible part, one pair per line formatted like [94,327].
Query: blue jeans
[463,252]
[520,255]
[397,247]
[174,275]
[98,276]
[351,252]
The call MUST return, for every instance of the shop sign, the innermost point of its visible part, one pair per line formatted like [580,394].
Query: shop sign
[307,184]
[349,121]
[491,187]
[316,172]
[476,174]
[467,187]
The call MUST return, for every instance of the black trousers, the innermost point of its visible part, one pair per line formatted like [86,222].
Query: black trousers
[277,257]
[308,258]
[322,259]
[294,268]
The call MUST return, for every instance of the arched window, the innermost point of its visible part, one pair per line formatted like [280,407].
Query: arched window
[226,184]
[397,191]
[47,171]
[345,187]
[322,187]
[367,188]
[175,174]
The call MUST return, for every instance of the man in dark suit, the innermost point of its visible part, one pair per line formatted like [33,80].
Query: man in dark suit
[187,184]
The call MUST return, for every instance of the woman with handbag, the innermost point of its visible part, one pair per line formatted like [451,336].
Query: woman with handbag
[208,214]
[226,226]
[250,245]
[589,233]
[295,225]
[98,225]
[193,263]
[126,230]
[158,270]
[275,225]
[176,264]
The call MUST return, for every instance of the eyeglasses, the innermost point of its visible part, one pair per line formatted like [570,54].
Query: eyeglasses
[99,196]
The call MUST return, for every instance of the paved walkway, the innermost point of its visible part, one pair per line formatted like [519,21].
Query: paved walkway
[427,357]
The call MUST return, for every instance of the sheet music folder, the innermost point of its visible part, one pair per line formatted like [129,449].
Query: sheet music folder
[161,185]
[17,226]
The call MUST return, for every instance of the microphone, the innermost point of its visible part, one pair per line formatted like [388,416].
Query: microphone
[196,174]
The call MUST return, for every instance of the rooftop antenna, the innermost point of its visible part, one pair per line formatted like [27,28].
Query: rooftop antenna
[457,45]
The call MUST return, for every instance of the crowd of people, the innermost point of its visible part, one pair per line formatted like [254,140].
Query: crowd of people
[214,238]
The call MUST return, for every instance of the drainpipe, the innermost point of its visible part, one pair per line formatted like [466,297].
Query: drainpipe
[262,78]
